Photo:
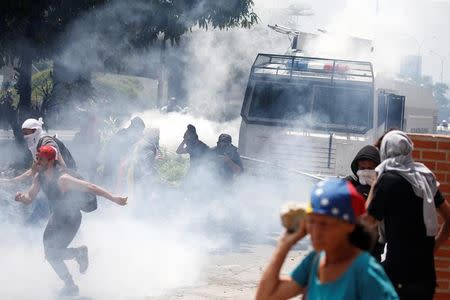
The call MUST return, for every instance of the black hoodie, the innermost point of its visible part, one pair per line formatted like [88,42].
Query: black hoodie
[368,152]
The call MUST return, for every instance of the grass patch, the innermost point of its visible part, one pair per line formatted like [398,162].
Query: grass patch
[172,167]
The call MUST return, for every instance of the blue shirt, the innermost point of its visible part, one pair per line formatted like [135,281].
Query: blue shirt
[364,279]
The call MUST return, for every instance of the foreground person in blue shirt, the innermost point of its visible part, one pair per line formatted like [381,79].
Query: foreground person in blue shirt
[339,267]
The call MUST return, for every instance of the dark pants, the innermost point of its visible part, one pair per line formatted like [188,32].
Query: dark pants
[59,233]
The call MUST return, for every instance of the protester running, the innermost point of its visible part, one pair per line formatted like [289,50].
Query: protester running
[64,193]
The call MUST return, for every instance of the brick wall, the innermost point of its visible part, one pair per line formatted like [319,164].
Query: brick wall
[434,152]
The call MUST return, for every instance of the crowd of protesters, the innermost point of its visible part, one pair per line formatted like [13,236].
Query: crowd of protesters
[374,233]
[126,162]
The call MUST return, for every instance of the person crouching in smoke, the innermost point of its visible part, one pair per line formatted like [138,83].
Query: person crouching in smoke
[65,217]
[227,158]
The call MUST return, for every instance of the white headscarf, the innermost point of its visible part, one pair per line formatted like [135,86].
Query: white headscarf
[33,139]
[396,155]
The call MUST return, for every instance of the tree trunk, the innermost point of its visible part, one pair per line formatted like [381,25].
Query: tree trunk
[161,98]
[15,126]
[24,86]
[72,87]
[22,156]
[24,110]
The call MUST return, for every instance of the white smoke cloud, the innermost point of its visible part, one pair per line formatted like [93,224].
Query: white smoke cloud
[162,242]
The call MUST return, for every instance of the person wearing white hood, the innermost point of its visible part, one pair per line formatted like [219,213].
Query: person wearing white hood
[33,133]
[406,200]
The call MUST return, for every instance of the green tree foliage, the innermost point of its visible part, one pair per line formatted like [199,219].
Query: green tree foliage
[42,86]
[125,27]
[41,29]
[440,91]
[440,96]
[34,29]
[174,18]
[29,30]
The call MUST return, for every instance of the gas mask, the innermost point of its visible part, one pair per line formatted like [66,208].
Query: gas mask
[366,177]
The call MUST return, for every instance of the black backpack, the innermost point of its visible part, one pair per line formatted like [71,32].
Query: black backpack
[65,153]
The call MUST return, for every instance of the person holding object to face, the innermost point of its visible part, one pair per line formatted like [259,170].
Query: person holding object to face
[65,217]
[196,149]
[363,168]
[339,267]
[227,158]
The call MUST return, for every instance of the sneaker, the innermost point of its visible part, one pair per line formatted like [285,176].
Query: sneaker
[69,290]
[82,259]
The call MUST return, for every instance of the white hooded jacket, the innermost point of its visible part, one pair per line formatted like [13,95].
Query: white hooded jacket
[33,139]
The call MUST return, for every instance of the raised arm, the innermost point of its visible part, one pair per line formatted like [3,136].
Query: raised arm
[182,148]
[67,183]
[29,196]
[369,219]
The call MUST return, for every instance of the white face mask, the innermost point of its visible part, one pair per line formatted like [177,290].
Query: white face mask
[32,141]
[366,177]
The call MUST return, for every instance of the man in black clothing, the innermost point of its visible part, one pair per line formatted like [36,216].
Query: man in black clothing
[197,182]
[405,201]
[363,168]
[228,160]
[132,133]
[409,259]
[191,145]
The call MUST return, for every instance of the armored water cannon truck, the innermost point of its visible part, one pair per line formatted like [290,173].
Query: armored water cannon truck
[313,114]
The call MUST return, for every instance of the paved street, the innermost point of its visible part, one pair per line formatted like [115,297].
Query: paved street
[233,275]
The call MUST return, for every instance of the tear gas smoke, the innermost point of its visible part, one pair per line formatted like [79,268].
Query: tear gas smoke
[161,240]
